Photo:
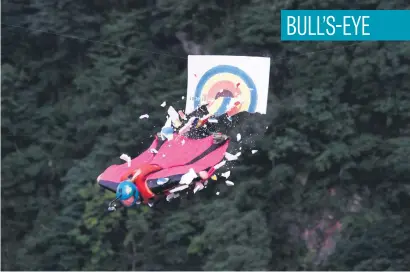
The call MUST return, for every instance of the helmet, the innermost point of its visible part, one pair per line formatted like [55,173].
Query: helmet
[127,193]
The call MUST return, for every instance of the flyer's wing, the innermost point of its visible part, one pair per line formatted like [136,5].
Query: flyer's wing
[114,174]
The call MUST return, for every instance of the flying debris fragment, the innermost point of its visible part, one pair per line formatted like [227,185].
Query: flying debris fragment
[171,196]
[219,165]
[126,158]
[211,120]
[164,104]
[153,150]
[217,193]
[229,183]
[144,116]
[254,151]
[198,187]
[174,116]
[183,97]
[238,137]
[226,174]
[231,157]
[188,177]
[214,177]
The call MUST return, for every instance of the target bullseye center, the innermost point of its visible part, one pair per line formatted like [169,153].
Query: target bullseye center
[224,88]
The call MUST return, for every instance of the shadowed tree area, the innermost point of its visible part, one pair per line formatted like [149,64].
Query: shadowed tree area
[328,189]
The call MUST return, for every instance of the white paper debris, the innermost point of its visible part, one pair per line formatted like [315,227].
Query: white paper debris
[183,142]
[219,165]
[163,104]
[173,114]
[198,187]
[254,151]
[150,204]
[153,150]
[126,158]
[238,137]
[162,181]
[229,183]
[171,196]
[183,97]
[240,148]
[226,174]
[144,116]
[217,193]
[231,157]
[188,177]
[211,120]
[179,188]
[238,154]
[163,155]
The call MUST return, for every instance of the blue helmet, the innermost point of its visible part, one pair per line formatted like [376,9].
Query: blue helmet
[127,193]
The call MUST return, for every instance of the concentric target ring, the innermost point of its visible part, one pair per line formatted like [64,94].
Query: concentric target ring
[226,81]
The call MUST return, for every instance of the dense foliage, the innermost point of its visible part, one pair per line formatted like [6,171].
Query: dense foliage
[328,189]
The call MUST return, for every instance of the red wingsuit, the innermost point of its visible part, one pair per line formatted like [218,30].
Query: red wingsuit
[173,159]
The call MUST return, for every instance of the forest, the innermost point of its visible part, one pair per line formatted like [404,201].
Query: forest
[329,188]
